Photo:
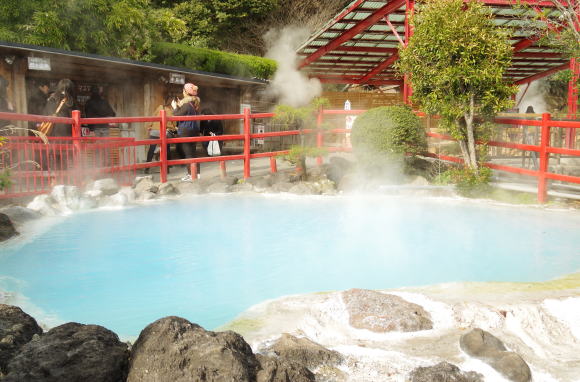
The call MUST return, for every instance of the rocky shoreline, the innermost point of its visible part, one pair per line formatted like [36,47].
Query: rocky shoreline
[175,349]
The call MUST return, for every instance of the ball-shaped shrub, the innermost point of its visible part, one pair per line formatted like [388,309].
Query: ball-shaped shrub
[388,131]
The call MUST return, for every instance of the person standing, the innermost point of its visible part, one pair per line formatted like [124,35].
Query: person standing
[98,107]
[64,100]
[37,100]
[5,105]
[187,106]
[154,133]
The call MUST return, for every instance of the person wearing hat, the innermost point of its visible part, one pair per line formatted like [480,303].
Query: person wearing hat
[188,105]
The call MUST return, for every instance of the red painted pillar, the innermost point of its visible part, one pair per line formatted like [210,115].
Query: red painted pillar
[273,166]
[223,171]
[319,136]
[544,158]
[247,137]
[407,89]
[163,148]
[573,100]
[76,134]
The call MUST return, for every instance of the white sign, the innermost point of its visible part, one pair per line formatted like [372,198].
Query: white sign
[39,63]
[177,78]
[242,107]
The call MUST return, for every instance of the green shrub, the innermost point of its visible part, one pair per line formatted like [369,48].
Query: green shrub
[388,131]
[468,182]
[214,61]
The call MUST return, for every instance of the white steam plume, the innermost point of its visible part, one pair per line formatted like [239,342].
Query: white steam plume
[291,86]
[533,97]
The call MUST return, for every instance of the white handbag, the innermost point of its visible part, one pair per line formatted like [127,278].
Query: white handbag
[213,148]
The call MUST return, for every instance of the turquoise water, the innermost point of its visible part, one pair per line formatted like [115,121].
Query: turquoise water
[209,258]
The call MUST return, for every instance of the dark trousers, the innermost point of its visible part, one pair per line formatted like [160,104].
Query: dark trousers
[188,149]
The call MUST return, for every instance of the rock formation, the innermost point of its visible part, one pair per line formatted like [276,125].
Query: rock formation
[486,347]
[71,352]
[7,229]
[16,329]
[380,312]
[442,372]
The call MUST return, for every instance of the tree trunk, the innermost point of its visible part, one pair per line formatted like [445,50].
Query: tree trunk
[464,152]
[301,168]
[470,134]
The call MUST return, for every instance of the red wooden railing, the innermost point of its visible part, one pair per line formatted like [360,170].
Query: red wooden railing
[75,160]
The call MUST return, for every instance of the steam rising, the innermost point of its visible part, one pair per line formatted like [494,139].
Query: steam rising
[291,86]
[533,97]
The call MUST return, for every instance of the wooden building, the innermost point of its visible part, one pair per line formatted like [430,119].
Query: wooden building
[132,88]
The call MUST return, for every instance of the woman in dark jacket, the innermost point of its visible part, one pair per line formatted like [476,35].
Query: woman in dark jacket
[65,93]
[189,105]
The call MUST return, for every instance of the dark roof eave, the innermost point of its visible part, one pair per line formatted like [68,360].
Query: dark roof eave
[124,61]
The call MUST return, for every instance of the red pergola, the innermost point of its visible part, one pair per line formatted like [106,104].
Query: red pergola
[360,46]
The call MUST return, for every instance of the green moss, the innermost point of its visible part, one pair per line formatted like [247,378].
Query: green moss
[242,325]
[214,61]
[571,281]
[512,197]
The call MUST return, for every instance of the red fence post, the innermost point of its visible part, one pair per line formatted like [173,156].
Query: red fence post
[76,134]
[544,158]
[223,171]
[319,136]
[246,143]
[273,167]
[163,148]
[573,100]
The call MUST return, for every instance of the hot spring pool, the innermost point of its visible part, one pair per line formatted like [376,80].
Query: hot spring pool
[209,258]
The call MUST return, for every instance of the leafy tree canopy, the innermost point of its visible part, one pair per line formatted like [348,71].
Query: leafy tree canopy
[123,28]
[209,20]
[456,58]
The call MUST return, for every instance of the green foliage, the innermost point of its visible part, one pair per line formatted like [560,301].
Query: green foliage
[209,21]
[124,28]
[297,153]
[214,61]
[4,174]
[456,58]
[388,131]
[5,181]
[299,117]
[555,90]
[468,182]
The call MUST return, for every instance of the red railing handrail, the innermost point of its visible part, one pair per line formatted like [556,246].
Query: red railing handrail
[543,148]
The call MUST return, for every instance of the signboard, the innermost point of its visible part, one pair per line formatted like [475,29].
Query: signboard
[177,78]
[39,63]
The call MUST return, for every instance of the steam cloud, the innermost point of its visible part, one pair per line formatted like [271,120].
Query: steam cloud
[290,85]
[533,97]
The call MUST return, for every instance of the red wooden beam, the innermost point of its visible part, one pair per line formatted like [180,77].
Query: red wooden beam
[542,74]
[382,66]
[537,55]
[348,35]
[366,49]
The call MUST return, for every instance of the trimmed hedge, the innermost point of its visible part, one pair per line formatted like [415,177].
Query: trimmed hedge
[213,61]
[388,130]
